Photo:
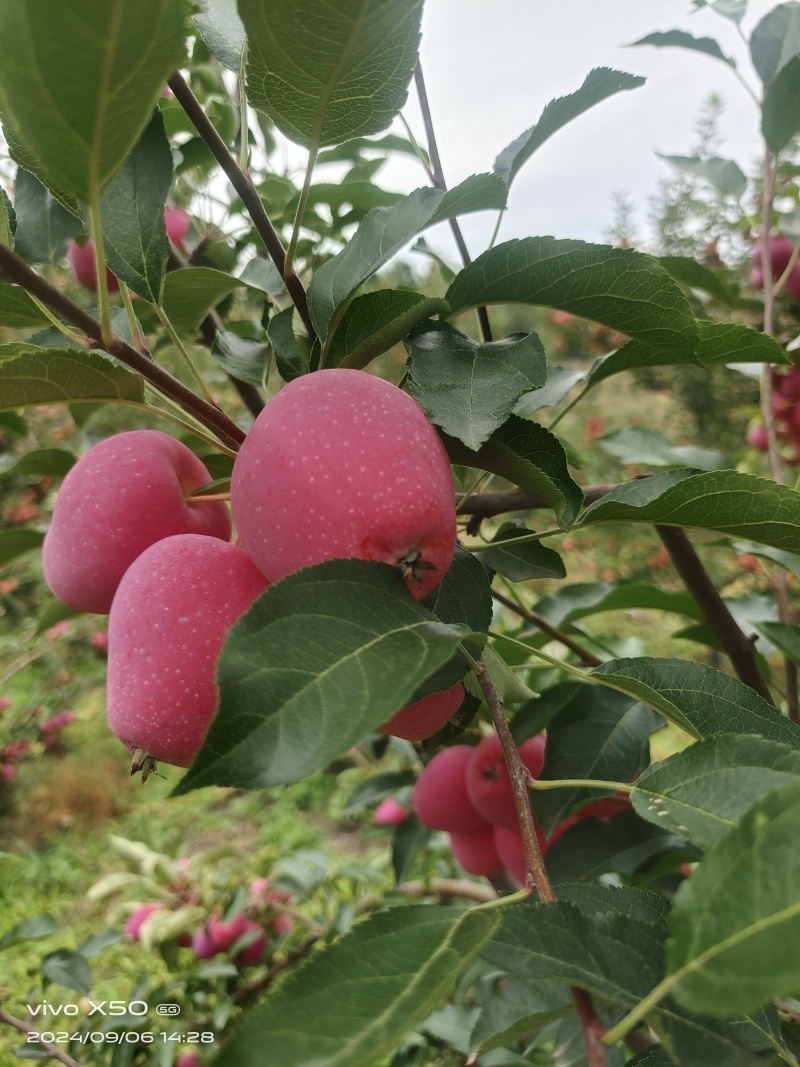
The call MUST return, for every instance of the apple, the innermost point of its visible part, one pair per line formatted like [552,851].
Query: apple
[341,464]
[177,221]
[138,916]
[251,955]
[757,438]
[477,852]
[122,496]
[81,259]
[390,813]
[417,721]
[222,933]
[166,629]
[204,946]
[508,843]
[440,794]
[488,782]
[188,1059]
[780,254]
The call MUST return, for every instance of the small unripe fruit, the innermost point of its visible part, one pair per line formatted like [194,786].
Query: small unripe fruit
[341,464]
[477,852]
[81,259]
[390,813]
[440,794]
[137,918]
[166,630]
[123,495]
[420,720]
[487,780]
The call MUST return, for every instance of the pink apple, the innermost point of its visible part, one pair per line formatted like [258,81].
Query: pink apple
[167,626]
[341,464]
[487,780]
[509,847]
[204,946]
[252,954]
[440,794]
[122,496]
[390,813]
[476,852]
[177,220]
[223,934]
[757,438]
[420,720]
[138,916]
[188,1059]
[81,259]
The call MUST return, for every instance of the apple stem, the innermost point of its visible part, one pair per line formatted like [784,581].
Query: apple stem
[591,1024]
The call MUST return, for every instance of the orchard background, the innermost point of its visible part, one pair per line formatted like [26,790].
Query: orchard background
[584,852]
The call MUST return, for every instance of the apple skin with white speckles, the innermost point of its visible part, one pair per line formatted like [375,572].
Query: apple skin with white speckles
[122,496]
[341,464]
[167,626]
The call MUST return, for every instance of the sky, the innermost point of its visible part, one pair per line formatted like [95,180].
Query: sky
[492,65]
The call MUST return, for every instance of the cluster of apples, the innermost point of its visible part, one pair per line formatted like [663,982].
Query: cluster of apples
[81,257]
[785,400]
[339,464]
[466,790]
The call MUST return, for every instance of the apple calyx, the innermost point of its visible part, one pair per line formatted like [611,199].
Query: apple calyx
[145,763]
[413,567]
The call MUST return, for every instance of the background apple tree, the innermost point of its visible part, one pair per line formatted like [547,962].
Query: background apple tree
[659,929]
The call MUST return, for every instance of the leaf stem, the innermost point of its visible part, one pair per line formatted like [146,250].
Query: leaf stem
[133,325]
[176,340]
[244,129]
[588,659]
[59,325]
[96,227]
[578,783]
[288,267]
[566,409]
[525,539]
[497,225]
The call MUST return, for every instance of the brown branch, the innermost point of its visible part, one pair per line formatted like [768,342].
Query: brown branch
[437,179]
[52,1050]
[487,505]
[738,646]
[587,658]
[17,270]
[247,193]
[449,889]
[537,878]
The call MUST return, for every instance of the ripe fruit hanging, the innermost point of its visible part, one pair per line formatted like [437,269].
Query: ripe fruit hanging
[341,464]
[390,813]
[177,220]
[440,794]
[477,852]
[122,496]
[166,629]
[487,780]
[780,254]
[81,259]
[420,720]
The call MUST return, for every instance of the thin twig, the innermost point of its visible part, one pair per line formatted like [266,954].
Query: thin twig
[487,505]
[438,180]
[738,646]
[449,889]
[16,270]
[247,193]
[53,1051]
[592,1026]
[587,658]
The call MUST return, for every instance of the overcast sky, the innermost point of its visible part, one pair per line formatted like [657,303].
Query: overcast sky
[492,65]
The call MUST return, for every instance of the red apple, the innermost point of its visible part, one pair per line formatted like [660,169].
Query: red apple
[177,220]
[440,794]
[390,813]
[417,721]
[252,954]
[122,496]
[222,933]
[508,843]
[138,916]
[477,852]
[341,464]
[81,259]
[488,782]
[167,626]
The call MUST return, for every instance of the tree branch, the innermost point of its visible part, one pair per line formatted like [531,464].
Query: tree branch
[591,1024]
[438,180]
[587,658]
[738,646]
[53,1051]
[17,270]
[487,505]
[247,193]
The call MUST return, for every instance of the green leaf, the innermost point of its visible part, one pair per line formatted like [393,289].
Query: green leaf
[559,382]
[132,214]
[384,232]
[784,636]
[736,922]
[28,929]
[53,611]
[732,1042]
[775,40]
[41,462]
[522,562]
[322,658]
[621,288]
[599,85]
[43,225]
[324,76]
[242,357]
[13,424]
[26,160]
[15,543]
[8,220]
[702,792]
[17,310]
[467,387]
[583,599]
[376,322]
[291,361]
[687,271]
[68,969]
[80,98]
[410,838]
[191,292]
[396,966]
[377,788]
[724,174]
[31,375]
[351,151]
[596,734]
[639,446]
[518,1007]
[529,456]
[223,32]
[780,112]
[264,275]
[698,698]
[741,505]
[682,39]
[654,1057]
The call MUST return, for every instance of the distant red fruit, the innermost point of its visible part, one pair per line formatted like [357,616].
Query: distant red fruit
[390,813]
[177,220]
[81,259]
[138,917]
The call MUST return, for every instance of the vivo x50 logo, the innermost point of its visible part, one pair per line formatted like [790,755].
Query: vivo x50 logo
[101,1007]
